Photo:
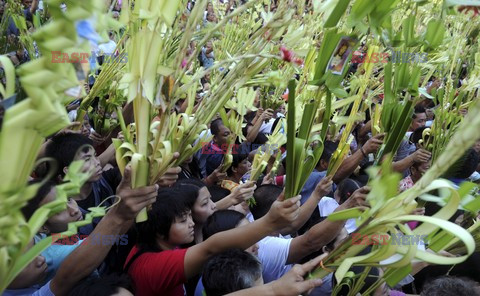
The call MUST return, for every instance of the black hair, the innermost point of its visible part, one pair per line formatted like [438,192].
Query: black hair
[222,220]
[218,192]
[464,166]
[346,188]
[230,271]
[418,110]
[194,169]
[190,182]
[261,139]
[265,196]
[34,203]
[215,126]
[64,147]
[417,135]
[162,215]
[100,286]
[328,149]
[451,286]
[237,159]
[191,185]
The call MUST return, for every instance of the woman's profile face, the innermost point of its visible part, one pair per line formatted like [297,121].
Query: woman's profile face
[203,207]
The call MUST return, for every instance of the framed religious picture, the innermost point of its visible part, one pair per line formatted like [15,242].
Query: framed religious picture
[338,60]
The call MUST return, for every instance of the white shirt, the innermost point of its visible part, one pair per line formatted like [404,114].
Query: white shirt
[328,205]
[273,253]
[108,48]
[266,128]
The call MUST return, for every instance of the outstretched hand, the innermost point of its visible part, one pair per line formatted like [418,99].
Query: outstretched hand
[293,282]
[243,192]
[171,175]
[283,212]
[358,198]
[324,187]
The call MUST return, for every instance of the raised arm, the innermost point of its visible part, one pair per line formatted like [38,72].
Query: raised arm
[253,132]
[350,164]
[34,6]
[240,194]
[281,214]
[325,231]
[420,155]
[88,256]
[323,188]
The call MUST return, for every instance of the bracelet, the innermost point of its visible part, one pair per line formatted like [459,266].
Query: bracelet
[363,152]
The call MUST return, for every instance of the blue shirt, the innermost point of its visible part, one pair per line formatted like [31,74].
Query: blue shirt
[42,291]
[311,183]
[54,255]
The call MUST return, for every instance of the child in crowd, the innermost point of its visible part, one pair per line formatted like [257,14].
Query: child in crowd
[157,265]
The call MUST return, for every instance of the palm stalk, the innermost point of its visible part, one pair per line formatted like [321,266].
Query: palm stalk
[304,151]
[344,144]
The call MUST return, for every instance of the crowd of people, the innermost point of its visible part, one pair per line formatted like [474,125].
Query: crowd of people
[202,237]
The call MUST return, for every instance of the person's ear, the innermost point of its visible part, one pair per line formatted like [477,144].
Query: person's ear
[45,229]
[324,249]
[160,237]
[65,170]
[413,169]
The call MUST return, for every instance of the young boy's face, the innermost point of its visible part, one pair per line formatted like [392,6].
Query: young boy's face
[244,167]
[33,274]
[181,231]
[92,164]
[59,222]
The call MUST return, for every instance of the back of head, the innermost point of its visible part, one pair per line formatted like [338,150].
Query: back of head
[346,188]
[451,286]
[218,192]
[222,220]
[464,166]
[417,135]
[106,285]
[64,147]
[329,148]
[265,196]
[34,203]
[162,215]
[230,271]
[191,182]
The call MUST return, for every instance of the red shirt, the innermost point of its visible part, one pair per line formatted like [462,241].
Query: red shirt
[160,273]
